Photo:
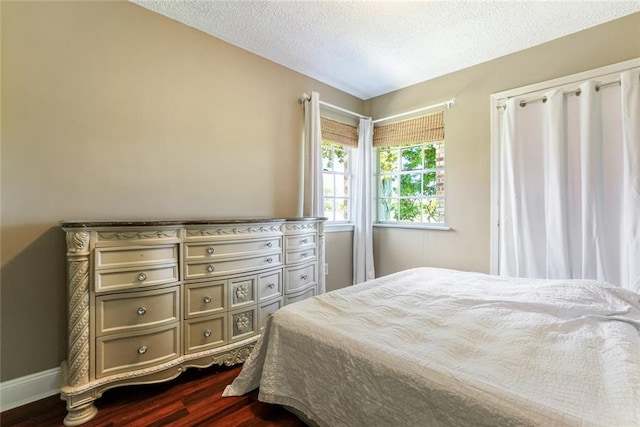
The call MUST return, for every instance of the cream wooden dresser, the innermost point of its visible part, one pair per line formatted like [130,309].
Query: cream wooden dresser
[148,299]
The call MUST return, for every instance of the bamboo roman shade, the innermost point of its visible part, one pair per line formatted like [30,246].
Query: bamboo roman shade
[338,133]
[413,131]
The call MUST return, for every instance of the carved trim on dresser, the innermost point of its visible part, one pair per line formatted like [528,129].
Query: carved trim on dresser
[80,414]
[322,278]
[78,242]
[78,254]
[227,358]
[160,234]
[78,321]
[239,355]
[222,231]
[298,227]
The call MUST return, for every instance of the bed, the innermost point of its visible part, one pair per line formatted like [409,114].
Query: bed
[437,347]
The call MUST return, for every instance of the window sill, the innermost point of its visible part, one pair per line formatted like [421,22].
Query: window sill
[337,227]
[421,226]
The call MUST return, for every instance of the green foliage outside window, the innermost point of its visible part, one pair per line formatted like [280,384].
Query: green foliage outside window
[411,183]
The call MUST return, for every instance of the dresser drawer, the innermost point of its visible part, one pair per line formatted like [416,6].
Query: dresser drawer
[115,280]
[216,268]
[201,334]
[130,311]
[269,284]
[303,255]
[123,353]
[242,324]
[290,299]
[205,298]
[135,256]
[243,291]
[199,251]
[298,241]
[267,310]
[300,277]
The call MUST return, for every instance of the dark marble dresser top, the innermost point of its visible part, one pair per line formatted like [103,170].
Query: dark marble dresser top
[178,222]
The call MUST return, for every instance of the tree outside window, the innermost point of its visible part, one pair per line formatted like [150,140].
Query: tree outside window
[411,183]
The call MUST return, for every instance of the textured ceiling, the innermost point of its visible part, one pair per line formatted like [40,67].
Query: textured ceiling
[369,48]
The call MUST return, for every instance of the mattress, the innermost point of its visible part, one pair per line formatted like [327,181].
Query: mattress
[442,347]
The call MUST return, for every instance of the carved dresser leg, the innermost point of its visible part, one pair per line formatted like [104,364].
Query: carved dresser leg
[80,414]
[76,368]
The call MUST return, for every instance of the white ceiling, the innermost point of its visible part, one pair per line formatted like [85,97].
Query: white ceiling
[369,48]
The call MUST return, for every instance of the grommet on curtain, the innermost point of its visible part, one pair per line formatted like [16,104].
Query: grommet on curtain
[524,103]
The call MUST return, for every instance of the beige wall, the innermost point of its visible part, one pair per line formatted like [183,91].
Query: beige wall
[467,149]
[339,256]
[112,111]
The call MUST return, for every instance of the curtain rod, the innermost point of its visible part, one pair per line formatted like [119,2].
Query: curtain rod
[447,103]
[335,107]
[576,92]
[344,110]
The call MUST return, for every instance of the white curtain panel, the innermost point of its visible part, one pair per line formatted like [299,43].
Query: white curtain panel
[363,268]
[630,85]
[570,185]
[313,188]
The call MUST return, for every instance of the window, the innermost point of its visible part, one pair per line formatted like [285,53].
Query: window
[336,180]
[410,171]
[337,140]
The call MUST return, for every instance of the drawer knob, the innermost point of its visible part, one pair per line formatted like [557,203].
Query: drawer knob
[142,311]
[207,333]
[142,350]
[304,277]
[211,268]
[269,260]
[271,285]
[269,244]
[142,277]
[304,240]
[207,299]
[304,254]
[210,250]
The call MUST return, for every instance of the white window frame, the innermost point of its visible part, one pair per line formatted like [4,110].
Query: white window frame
[332,224]
[378,177]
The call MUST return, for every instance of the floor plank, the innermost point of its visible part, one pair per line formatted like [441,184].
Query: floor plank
[193,399]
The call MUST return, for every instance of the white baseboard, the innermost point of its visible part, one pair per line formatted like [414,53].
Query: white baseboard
[27,389]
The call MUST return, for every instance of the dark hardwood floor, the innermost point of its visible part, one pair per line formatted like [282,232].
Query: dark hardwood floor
[192,399]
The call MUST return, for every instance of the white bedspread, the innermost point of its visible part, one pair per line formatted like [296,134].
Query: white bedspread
[431,347]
